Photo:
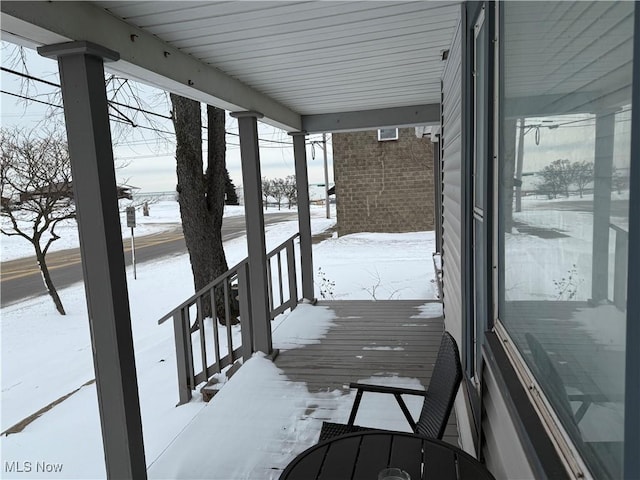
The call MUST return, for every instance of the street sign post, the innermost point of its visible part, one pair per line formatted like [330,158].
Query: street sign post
[131,222]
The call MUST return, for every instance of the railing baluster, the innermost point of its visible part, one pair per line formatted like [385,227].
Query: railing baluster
[182,317]
[203,346]
[620,269]
[227,317]
[184,389]
[216,339]
[186,325]
[269,285]
[280,277]
[228,320]
[293,279]
[246,325]
[229,342]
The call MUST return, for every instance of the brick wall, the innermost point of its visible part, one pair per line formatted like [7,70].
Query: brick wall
[383,186]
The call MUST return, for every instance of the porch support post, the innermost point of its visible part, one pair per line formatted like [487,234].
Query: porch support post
[632,370]
[304,215]
[602,171]
[94,187]
[254,218]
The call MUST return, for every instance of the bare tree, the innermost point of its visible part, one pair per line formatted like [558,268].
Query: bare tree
[267,190]
[35,178]
[278,191]
[582,175]
[291,190]
[619,179]
[201,194]
[556,178]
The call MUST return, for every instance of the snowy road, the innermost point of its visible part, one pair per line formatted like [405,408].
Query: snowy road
[21,278]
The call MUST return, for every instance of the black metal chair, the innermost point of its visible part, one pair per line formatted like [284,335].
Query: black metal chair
[438,398]
[555,389]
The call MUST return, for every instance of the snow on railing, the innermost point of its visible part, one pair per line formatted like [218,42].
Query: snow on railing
[208,336]
[437,266]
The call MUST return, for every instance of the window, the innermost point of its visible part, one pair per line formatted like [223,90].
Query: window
[386,134]
[480,151]
[565,124]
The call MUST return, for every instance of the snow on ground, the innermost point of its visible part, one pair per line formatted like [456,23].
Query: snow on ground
[560,268]
[535,267]
[395,274]
[287,416]
[29,326]
[163,215]
[45,356]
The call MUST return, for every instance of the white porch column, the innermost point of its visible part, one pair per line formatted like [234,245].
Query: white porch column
[94,186]
[602,172]
[254,218]
[304,215]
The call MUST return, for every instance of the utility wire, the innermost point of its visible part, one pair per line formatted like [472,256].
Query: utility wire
[31,99]
[112,103]
[30,77]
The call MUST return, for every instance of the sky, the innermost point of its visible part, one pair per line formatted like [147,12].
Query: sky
[149,155]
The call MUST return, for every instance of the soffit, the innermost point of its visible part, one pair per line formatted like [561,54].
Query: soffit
[579,53]
[313,57]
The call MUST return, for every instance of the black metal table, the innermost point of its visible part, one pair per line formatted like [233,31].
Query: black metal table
[363,455]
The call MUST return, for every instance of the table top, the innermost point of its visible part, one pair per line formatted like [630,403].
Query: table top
[363,455]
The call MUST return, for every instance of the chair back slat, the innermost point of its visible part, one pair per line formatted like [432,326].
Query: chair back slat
[442,389]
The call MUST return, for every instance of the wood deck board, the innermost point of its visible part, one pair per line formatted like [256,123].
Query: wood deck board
[369,339]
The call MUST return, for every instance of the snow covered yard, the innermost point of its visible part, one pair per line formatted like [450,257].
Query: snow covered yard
[46,356]
[535,266]
[163,216]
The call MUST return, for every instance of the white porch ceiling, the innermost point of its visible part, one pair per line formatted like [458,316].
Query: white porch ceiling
[284,59]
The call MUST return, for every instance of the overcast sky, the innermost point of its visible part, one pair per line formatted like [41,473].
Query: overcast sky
[149,155]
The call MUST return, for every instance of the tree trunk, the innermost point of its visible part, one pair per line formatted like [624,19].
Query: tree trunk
[48,283]
[201,196]
[216,185]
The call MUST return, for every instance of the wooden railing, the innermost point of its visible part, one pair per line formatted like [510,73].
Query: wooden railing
[278,301]
[204,347]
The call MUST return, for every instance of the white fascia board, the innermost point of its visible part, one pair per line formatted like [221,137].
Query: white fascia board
[143,56]
[394,117]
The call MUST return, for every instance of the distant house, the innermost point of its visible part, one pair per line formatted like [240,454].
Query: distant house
[383,181]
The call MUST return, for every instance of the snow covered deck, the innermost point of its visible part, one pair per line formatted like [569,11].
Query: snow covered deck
[269,412]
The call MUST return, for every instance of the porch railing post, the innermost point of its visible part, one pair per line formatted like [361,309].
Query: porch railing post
[292,274]
[304,215]
[620,269]
[602,170]
[81,66]
[246,322]
[254,217]
[182,362]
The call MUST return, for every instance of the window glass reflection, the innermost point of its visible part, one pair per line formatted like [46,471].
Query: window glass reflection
[564,193]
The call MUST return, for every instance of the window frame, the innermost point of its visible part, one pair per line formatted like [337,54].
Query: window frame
[381,139]
[501,351]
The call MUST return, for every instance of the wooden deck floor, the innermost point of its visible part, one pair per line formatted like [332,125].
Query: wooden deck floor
[370,339]
[268,413]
